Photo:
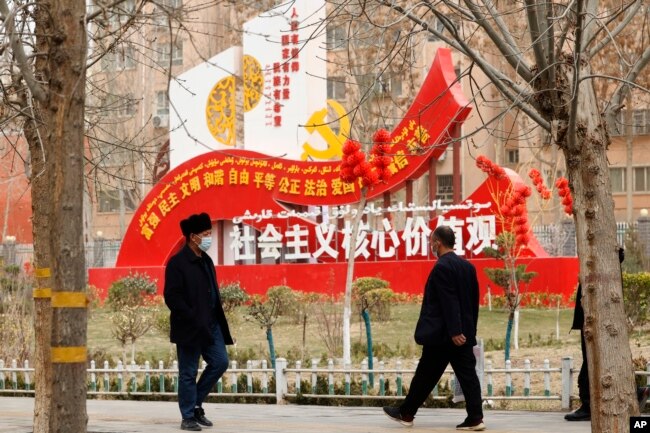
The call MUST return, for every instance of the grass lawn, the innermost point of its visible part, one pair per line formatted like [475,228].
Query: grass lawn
[391,339]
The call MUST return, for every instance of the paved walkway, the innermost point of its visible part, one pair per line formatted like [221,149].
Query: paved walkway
[123,416]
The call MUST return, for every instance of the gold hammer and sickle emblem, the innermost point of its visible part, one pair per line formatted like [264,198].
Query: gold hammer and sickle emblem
[317,123]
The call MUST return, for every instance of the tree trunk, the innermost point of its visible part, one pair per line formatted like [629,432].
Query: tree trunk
[366,319]
[347,302]
[65,104]
[629,161]
[303,349]
[516,329]
[611,375]
[41,205]
[40,174]
[269,339]
[511,317]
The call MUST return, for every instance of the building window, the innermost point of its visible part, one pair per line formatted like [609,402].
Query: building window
[639,124]
[641,179]
[437,25]
[396,86]
[162,103]
[127,105]
[513,156]
[108,200]
[335,38]
[445,191]
[121,58]
[336,88]
[172,4]
[164,51]
[617,179]
[118,105]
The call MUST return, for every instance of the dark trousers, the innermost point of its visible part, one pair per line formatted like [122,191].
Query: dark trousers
[432,365]
[190,392]
[583,376]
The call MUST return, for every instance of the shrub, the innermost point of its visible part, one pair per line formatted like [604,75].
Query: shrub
[636,297]
[286,300]
[130,291]
[374,294]
[232,296]
[635,257]
[161,320]
[130,300]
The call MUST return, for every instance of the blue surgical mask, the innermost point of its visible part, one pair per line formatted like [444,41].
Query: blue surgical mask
[205,244]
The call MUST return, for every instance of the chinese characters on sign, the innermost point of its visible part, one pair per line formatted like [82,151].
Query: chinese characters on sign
[278,83]
[383,243]
[268,176]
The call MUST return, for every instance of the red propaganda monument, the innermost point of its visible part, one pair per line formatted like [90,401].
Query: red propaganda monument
[282,221]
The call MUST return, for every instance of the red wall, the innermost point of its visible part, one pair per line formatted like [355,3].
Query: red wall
[15,191]
[555,275]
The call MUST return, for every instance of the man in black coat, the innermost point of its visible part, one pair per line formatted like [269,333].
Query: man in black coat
[446,329]
[198,323]
[583,413]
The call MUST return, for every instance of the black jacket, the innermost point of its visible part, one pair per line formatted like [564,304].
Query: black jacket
[187,294]
[578,311]
[451,299]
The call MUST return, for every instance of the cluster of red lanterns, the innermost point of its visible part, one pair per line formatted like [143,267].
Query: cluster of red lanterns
[513,204]
[536,177]
[563,190]
[493,170]
[514,213]
[355,166]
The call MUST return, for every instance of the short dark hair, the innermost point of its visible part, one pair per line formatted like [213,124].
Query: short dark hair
[445,235]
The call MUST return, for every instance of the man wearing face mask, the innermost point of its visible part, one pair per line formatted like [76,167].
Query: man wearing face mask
[198,323]
[446,329]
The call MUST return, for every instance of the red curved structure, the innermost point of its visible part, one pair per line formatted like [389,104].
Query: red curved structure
[228,184]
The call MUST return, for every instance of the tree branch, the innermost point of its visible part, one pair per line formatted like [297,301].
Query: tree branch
[498,78]
[619,95]
[564,30]
[506,47]
[573,111]
[611,35]
[19,53]
[539,49]
[102,9]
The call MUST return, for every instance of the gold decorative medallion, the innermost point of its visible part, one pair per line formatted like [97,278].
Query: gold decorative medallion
[253,82]
[220,111]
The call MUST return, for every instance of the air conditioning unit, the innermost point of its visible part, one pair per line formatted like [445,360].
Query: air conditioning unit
[161,121]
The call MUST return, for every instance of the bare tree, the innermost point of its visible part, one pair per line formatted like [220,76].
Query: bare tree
[557,55]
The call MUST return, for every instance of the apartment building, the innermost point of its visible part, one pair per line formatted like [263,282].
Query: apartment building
[131,124]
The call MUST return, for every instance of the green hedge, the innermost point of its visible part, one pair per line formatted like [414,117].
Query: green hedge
[636,297]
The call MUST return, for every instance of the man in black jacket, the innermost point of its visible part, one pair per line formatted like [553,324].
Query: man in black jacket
[198,323]
[447,331]
[583,413]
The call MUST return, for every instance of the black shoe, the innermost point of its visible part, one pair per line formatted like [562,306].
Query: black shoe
[642,394]
[468,425]
[199,416]
[396,415]
[190,424]
[582,414]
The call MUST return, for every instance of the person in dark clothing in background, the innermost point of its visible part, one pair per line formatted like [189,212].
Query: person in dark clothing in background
[198,323]
[447,331]
[583,413]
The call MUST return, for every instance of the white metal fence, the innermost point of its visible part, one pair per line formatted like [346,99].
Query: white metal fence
[281,383]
